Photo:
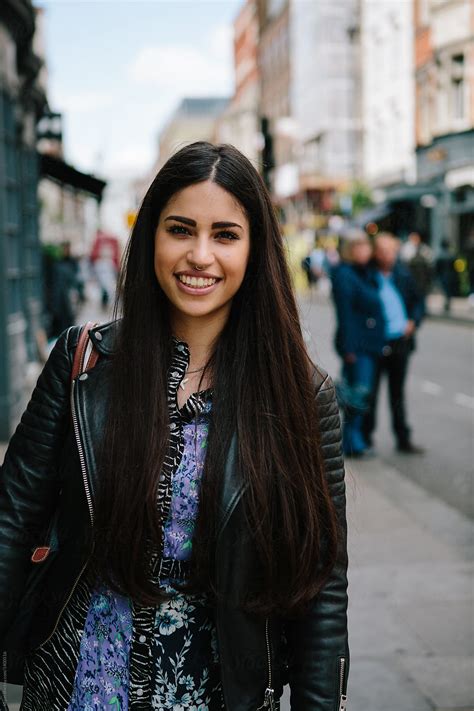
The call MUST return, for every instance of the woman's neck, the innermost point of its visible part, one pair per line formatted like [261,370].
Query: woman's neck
[200,334]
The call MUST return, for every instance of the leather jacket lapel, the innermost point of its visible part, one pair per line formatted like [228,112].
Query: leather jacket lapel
[232,487]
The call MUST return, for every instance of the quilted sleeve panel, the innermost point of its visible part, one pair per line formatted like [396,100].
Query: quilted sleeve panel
[29,483]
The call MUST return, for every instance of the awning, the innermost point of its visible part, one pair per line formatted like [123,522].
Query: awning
[65,174]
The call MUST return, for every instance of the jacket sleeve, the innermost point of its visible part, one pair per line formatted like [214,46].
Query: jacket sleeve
[318,642]
[29,483]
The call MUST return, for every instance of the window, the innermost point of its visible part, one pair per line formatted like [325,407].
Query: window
[457,86]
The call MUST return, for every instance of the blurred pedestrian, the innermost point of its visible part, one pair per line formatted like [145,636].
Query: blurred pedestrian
[403,309]
[66,288]
[419,259]
[359,335]
[313,264]
[446,273]
[182,507]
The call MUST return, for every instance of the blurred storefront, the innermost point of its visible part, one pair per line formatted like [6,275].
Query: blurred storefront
[43,200]
[444,114]
[446,169]
[22,101]
[70,202]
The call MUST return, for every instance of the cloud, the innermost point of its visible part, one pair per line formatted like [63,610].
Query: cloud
[132,160]
[222,40]
[82,102]
[184,70]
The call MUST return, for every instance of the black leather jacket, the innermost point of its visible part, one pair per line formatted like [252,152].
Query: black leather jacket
[48,482]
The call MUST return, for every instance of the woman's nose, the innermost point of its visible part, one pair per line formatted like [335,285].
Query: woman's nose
[201,253]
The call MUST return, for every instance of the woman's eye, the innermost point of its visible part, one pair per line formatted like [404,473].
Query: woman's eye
[227,235]
[178,230]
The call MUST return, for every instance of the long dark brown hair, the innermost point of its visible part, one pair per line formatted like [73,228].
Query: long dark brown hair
[263,390]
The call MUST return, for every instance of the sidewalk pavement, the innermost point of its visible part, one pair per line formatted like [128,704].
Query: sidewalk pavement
[462,309]
[411,596]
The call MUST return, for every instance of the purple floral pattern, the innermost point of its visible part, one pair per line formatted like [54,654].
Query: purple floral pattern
[185,491]
[102,671]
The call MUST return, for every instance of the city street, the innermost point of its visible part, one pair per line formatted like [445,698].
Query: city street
[411,554]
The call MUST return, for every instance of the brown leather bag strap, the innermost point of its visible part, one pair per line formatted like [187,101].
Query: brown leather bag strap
[40,553]
[78,365]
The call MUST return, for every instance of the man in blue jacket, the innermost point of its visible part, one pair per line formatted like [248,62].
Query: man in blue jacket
[403,308]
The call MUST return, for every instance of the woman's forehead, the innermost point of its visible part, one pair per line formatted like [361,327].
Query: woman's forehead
[205,202]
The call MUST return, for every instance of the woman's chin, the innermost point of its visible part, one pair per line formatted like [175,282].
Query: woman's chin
[201,310]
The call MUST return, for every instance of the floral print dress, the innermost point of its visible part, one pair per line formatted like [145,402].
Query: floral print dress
[109,653]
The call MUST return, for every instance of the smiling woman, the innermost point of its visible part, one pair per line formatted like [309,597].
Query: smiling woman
[198,488]
[199,262]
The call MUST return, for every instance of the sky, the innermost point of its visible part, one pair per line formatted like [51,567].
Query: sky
[118,68]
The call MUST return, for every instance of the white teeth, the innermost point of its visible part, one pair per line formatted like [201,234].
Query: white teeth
[196,282]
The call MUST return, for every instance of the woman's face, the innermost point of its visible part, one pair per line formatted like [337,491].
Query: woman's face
[202,226]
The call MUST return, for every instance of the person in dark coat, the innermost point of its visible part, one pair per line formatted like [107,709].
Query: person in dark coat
[66,288]
[446,273]
[403,308]
[359,336]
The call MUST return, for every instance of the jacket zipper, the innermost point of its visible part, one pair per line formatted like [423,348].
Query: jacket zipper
[342,696]
[89,505]
[269,700]
[82,458]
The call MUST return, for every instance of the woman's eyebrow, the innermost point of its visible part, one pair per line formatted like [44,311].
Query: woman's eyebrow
[220,225]
[186,220]
[192,223]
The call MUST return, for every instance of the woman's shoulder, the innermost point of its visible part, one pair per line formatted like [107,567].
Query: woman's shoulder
[321,379]
[104,335]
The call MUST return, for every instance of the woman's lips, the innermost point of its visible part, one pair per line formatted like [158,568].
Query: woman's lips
[196,290]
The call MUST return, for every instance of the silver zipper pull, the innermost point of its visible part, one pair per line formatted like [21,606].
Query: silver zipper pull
[343,702]
[269,700]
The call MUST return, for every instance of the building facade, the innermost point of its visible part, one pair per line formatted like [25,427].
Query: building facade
[325,94]
[239,123]
[388,92]
[22,101]
[444,56]
[194,120]
[275,105]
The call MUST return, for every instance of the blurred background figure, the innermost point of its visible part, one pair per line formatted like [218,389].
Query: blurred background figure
[446,273]
[403,309]
[314,263]
[64,289]
[419,259]
[359,335]
[105,258]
